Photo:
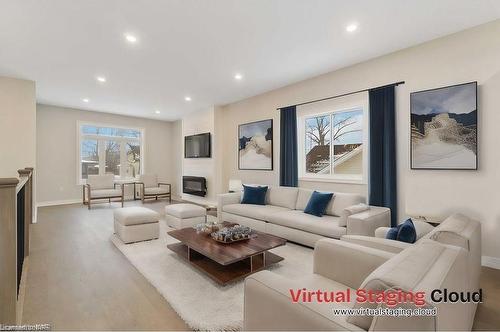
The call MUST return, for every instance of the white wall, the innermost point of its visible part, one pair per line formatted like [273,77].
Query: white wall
[177,143]
[17,126]
[56,134]
[471,55]
[198,123]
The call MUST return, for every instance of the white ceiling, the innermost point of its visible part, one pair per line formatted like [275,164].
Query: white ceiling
[194,47]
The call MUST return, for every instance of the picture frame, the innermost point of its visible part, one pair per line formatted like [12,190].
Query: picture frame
[444,128]
[255,145]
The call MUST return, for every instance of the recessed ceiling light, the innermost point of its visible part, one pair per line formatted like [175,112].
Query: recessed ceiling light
[101,79]
[351,27]
[187,98]
[85,100]
[130,38]
[157,112]
[238,76]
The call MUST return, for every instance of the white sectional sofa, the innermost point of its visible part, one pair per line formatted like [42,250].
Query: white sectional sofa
[341,266]
[283,215]
[448,257]
[457,230]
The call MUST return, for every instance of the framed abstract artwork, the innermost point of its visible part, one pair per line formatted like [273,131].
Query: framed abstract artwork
[443,131]
[255,145]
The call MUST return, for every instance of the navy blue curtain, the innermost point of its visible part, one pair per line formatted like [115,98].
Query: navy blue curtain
[382,177]
[289,174]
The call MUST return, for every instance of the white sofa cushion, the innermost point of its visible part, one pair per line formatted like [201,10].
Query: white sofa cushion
[325,226]
[101,181]
[384,244]
[136,215]
[259,212]
[303,197]
[340,201]
[149,180]
[422,228]
[105,193]
[156,190]
[185,210]
[282,196]
[381,232]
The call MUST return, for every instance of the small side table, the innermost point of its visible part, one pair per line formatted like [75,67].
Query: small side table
[211,210]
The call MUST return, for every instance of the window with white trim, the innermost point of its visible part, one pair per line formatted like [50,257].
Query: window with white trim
[109,150]
[332,144]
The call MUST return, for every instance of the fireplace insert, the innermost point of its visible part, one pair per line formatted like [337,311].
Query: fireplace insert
[194,185]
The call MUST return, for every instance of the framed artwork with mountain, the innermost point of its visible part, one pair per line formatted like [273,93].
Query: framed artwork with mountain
[444,128]
[255,145]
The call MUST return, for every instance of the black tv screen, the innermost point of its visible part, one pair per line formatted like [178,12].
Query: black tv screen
[197,146]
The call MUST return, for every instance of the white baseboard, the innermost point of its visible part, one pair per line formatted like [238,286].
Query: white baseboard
[61,202]
[493,262]
[74,201]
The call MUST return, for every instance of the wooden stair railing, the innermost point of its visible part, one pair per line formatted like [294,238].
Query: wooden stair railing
[16,215]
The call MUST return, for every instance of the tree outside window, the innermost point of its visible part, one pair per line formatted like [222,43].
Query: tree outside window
[108,150]
[334,143]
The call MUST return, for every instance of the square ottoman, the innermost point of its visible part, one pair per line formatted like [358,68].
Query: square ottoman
[184,215]
[134,224]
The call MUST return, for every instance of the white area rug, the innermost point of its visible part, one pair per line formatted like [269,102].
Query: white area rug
[200,302]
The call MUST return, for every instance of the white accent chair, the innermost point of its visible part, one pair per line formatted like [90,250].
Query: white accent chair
[99,187]
[151,188]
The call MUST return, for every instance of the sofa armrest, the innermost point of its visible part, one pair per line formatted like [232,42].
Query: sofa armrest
[391,246]
[346,262]
[226,199]
[268,306]
[366,222]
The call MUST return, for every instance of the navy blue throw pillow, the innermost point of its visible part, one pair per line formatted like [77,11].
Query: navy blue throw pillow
[407,232]
[404,232]
[254,195]
[317,203]
[392,234]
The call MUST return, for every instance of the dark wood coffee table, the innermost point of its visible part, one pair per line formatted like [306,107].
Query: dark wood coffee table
[225,263]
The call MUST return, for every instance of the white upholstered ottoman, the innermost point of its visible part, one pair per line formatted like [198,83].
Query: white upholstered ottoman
[134,224]
[184,215]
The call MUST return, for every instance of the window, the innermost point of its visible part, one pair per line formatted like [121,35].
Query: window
[332,145]
[109,150]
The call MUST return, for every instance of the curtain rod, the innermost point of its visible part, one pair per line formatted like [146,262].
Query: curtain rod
[344,94]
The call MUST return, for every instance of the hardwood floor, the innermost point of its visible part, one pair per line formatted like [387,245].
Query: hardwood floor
[488,313]
[78,280]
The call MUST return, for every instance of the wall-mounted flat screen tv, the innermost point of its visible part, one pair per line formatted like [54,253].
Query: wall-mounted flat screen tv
[197,146]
